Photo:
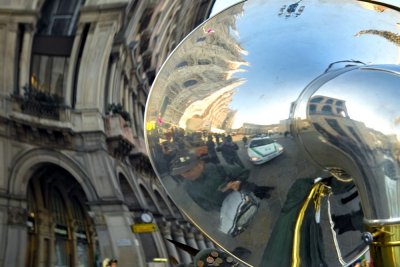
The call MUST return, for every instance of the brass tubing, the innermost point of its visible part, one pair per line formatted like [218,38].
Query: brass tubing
[317,192]
[385,248]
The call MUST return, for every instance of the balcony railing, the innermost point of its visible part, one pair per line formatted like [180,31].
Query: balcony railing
[52,111]
[119,135]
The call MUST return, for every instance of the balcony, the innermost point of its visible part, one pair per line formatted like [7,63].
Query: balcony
[40,109]
[119,135]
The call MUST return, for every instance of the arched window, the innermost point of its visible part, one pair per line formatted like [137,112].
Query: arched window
[56,199]
[189,83]
[149,201]
[204,61]
[177,212]
[60,218]
[326,110]
[163,206]
[52,47]
[312,109]
[182,64]
[316,99]
[129,196]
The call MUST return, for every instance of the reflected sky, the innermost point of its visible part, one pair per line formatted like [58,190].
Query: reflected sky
[300,51]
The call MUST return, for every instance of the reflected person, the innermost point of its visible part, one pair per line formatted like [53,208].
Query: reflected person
[208,184]
[229,149]
[311,248]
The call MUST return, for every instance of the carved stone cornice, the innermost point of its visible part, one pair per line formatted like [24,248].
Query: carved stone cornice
[40,134]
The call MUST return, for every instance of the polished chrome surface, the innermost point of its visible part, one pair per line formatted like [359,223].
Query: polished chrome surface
[320,77]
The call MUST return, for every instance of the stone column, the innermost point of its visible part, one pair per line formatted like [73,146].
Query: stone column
[189,235]
[200,240]
[94,63]
[166,233]
[209,243]
[113,227]
[13,233]
[177,234]
[25,57]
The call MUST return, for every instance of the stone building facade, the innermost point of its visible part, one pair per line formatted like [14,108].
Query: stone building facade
[75,177]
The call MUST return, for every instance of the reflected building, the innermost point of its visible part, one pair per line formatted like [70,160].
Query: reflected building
[197,83]
[331,115]
[74,175]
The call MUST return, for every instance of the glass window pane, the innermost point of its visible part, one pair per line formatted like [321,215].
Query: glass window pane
[82,255]
[67,6]
[60,26]
[48,74]
[61,255]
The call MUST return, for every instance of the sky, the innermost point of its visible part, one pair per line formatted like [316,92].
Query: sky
[286,53]
[222,4]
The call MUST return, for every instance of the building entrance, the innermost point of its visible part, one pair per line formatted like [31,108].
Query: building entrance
[60,230]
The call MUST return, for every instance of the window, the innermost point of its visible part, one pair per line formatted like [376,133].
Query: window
[189,83]
[59,17]
[182,64]
[326,110]
[312,109]
[260,142]
[316,99]
[66,215]
[329,101]
[164,105]
[48,74]
[52,45]
[339,103]
[149,201]
[204,62]
[60,217]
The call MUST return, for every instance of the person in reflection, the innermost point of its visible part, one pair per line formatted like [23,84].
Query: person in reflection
[208,184]
[278,251]
[229,151]
[280,244]
[212,153]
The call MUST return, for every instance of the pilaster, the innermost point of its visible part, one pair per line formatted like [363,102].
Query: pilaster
[13,232]
[112,223]
[178,235]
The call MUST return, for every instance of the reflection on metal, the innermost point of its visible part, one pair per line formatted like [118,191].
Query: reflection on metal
[385,247]
[321,86]
[393,37]
[318,191]
[292,10]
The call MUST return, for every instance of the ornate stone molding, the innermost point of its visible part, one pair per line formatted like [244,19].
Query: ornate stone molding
[17,216]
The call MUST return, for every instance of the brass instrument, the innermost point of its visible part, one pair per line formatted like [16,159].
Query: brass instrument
[314,86]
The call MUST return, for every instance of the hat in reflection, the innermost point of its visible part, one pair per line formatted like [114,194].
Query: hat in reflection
[183,163]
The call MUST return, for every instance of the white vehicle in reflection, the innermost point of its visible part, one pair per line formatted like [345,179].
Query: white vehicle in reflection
[263,149]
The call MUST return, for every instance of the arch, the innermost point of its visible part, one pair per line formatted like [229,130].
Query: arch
[176,212]
[26,163]
[163,204]
[57,199]
[151,203]
[128,193]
